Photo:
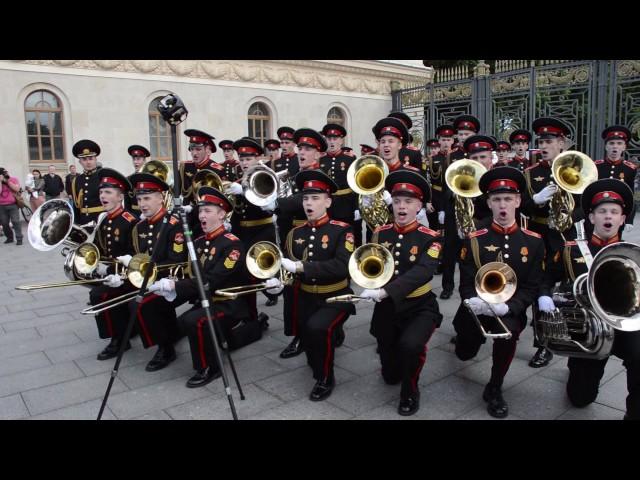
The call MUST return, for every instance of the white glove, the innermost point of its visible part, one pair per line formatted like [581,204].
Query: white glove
[545,304]
[234,188]
[461,235]
[102,269]
[500,309]
[113,281]
[124,259]
[289,265]
[356,215]
[227,226]
[544,195]
[422,215]
[477,305]
[142,216]
[275,286]
[441,217]
[187,208]
[628,227]
[269,207]
[386,196]
[166,288]
[367,200]
[430,208]
[376,295]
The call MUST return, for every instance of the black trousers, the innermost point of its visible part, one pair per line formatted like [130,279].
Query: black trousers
[451,250]
[111,323]
[585,374]
[156,320]
[470,339]
[10,212]
[402,340]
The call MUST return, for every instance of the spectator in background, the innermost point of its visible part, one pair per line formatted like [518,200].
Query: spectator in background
[69,179]
[53,185]
[8,208]
[35,189]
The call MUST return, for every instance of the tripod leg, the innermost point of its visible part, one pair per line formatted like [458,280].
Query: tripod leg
[225,347]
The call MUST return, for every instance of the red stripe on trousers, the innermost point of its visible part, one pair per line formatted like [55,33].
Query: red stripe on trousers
[340,316]
[107,316]
[141,320]
[423,359]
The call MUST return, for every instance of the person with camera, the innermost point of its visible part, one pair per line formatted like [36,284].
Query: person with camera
[9,210]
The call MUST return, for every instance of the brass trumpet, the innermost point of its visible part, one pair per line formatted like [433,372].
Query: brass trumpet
[264,260]
[463,179]
[495,282]
[366,177]
[262,186]
[370,266]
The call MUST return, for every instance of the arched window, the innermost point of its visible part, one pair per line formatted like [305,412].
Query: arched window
[337,116]
[259,122]
[45,131]
[159,134]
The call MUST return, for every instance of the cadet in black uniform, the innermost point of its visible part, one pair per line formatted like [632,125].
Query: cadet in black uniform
[139,155]
[523,251]
[222,262]
[230,164]
[84,189]
[438,164]
[616,139]
[156,317]
[113,239]
[318,253]
[272,149]
[520,140]
[406,312]
[607,202]
[288,159]
[503,149]
[409,155]
[336,163]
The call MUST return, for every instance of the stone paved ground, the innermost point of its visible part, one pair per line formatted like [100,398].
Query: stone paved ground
[48,368]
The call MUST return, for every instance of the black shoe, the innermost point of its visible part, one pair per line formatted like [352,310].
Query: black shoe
[202,377]
[496,407]
[262,320]
[271,302]
[19,242]
[112,349]
[541,358]
[454,339]
[410,405]
[446,294]
[339,336]
[9,240]
[321,390]
[163,357]
[293,349]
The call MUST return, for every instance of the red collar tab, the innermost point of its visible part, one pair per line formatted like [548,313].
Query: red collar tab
[323,220]
[614,162]
[216,233]
[504,231]
[115,213]
[599,242]
[407,228]
[161,213]
[203,163]
[394,166]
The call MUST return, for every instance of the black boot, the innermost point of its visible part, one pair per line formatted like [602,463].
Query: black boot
[541,358]
[446,294]
[322,389]
[202,377]
[163,357]
[496,407]
[272,301]
[409,405]
[112,349]
[263,320]
[293,349]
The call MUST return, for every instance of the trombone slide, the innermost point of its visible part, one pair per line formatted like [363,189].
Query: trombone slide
[506,335]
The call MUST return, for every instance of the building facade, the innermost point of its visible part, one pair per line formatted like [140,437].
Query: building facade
[48,105]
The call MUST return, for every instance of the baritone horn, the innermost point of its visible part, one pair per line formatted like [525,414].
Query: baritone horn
[370,266]
[463,179]
[495,282]
[366,176]
[162,171]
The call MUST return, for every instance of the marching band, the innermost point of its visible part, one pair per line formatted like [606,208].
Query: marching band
[287,218]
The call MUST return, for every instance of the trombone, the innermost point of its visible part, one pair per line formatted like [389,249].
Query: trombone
[366,176]
[370,266]
[264,260]
[495,282]
[463,179]
[135,272]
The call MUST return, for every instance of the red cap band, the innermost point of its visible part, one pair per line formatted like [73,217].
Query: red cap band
[137,153]
[337,133]
[503,183]
[113,181]
[216,201]
[250,150]
[447,132]
[198,140]
[316,184]
[467,125]
[617,134]
[608,195]
[407,187]
[148,186]
[478,145]
[309,140]
[520,136]
[285,135]
[389,130]
[502,146]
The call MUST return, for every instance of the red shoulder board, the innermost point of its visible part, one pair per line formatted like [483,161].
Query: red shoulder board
[411,167]
[477,233]
[424,229]
[338,222]
[128,217]
[630,164]
[173,220]
[570,243]
[383,227]
[599,162]
[217,166]
[201,236]
[231,236]
[533,234]
[529,168]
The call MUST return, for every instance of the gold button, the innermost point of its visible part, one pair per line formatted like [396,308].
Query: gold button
[397,254]
[400,236]
[398,245]
[312,237]
[506,245]
[311,245]
[396,272]
[311,254]
[397,262]
[506,255]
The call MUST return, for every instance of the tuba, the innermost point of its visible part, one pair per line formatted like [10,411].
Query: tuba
[161,170]
[463,179]
[366,176]
[495,282]
[209,178]
[572,171]
[370,266]
[262,185]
